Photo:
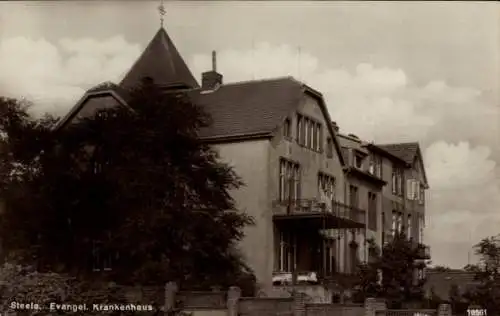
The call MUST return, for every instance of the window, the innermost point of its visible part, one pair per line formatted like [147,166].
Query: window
[353,196]
[422,194]
[372,211]
[397,181]
[394,181]
[326,187]
[371,167]
[300,129]
[320,138]
[421,226]
[287,132]
[101,260]
[394,222]
[375,166]
[286,255]
[383,227]
[309,133]
[413,190]
[329,147]
[358,160]
[400,222]
[289,184]
[397,222]
[408,226]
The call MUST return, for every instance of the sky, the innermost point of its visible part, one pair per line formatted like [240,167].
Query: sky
[389,71]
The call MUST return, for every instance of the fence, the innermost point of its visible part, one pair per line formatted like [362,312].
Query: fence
[231,303]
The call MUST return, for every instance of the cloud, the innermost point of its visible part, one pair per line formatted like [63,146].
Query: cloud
[457,126]
[55,75]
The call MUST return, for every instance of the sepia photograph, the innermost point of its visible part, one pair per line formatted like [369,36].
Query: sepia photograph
[251,158]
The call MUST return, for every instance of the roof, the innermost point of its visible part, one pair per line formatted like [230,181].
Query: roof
[247,108]
[442,281]
[253,108]
[404,151]
[238,111]
[161,62]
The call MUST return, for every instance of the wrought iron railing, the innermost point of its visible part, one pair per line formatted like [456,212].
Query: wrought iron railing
[312,206]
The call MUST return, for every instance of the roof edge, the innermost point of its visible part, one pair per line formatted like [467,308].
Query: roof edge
[77,107]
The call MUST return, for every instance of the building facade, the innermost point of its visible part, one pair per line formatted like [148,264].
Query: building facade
[316,196]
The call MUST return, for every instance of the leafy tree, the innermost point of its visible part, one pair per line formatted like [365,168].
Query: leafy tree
[391,273]
[487,274]
[133,183]
[24,284]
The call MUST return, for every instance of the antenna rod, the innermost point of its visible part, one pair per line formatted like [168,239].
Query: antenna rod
[298,61]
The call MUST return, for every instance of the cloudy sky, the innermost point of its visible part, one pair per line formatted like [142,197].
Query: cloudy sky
[426,72]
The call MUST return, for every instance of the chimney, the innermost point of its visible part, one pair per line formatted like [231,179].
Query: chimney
[211,79]
[335,126]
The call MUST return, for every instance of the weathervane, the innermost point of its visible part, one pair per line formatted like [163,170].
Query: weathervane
[162,11]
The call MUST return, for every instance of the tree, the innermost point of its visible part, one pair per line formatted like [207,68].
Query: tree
[390,274]
[134,184]
[487,274]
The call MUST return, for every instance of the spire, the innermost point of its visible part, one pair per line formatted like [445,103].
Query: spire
[161,10]
[161,62]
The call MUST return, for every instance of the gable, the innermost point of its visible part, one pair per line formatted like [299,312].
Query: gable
[418,164]
[313,106]
[89,104]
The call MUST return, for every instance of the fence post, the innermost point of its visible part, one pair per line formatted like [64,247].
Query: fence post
[444,310]
[233,296]
[170,292]
[372,306]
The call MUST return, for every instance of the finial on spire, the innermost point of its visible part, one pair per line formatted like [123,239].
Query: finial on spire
[214,61]
[161,9]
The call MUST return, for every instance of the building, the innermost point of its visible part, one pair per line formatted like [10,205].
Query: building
[309,196]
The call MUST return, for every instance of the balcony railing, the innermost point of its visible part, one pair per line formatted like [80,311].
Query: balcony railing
[312,206]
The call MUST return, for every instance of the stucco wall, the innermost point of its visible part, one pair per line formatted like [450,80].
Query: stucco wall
[311,162]
[250,161]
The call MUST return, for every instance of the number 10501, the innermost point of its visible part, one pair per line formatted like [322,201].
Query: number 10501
[476,312]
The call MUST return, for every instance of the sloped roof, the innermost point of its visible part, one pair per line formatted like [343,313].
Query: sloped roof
[161,62]
[254,108]
[441,282]
[404,151]
[246,108]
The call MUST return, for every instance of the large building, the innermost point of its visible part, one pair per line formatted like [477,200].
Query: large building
[316,195]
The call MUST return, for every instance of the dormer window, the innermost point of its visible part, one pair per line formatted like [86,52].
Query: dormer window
[358,160]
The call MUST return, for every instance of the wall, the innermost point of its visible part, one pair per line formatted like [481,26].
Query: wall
[311,162]
[250,161]
[364,187]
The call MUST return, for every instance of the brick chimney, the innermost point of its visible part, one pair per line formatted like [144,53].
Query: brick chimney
[211,79]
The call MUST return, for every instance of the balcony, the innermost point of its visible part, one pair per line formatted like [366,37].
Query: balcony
[322,215]
[424,252]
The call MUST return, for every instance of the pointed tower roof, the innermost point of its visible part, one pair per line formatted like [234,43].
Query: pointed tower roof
[161,62]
